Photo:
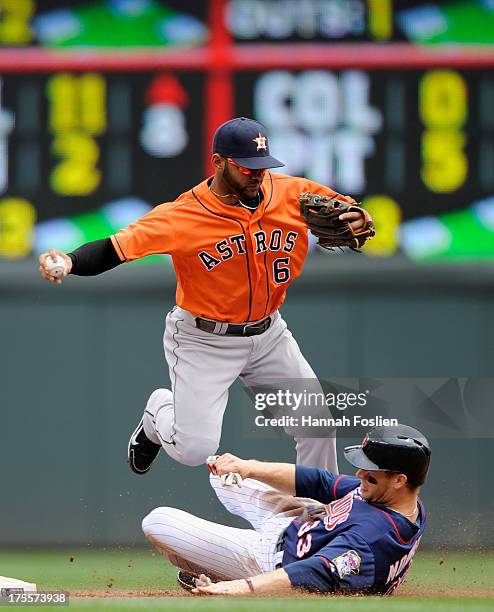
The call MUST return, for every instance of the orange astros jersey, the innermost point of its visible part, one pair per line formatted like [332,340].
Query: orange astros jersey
[231,264]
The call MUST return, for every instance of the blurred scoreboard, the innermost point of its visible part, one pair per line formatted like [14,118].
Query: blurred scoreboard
[89,141]
[412,144]
[74,140]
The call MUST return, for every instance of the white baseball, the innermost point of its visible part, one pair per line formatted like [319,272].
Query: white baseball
[55,267]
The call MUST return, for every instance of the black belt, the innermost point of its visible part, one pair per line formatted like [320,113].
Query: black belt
[233,329]
[280,547]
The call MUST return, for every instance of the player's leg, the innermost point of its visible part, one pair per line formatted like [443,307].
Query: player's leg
[277,357]
[187,420]
[199,546]
[256,502]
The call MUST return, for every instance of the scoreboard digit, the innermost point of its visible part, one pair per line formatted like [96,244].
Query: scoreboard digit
[17,219]
[77,115]
[15,21]
[443,109]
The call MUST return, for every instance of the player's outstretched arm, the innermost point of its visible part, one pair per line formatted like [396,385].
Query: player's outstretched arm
[90,259]
[280,476]
[276,582]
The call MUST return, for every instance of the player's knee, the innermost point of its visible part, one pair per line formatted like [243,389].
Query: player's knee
[195,452]
[149,521]
[157,520]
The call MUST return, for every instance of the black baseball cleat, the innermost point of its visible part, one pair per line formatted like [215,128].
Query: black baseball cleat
[186,581]
[141,451]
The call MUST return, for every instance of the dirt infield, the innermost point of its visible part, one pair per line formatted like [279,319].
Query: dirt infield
[112,594]
[404,592]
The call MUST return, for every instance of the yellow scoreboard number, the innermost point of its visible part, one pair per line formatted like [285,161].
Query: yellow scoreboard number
[77,115]
[17,219]
[443,109]
[386,214]
[15,17]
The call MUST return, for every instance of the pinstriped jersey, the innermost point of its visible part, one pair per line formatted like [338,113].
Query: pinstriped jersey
[357,546]
[231,264]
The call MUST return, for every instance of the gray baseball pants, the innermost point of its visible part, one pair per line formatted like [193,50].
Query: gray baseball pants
[187,419]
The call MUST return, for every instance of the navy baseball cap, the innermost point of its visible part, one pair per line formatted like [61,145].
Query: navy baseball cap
[246,142]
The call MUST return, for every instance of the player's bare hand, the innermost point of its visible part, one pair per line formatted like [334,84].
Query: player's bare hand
[228,463]
[229,587]
[48,258]
[356,219]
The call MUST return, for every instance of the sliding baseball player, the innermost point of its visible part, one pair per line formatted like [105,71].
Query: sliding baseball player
[310,529]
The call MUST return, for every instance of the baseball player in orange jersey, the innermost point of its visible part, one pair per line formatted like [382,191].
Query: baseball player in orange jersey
[237,241]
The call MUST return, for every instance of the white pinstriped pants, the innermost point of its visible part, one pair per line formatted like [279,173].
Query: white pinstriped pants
[226,553]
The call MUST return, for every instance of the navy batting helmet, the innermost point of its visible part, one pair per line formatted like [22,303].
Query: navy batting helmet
[399,448]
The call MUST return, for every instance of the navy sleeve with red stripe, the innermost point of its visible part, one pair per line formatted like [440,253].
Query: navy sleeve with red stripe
[321,485]
[345,565]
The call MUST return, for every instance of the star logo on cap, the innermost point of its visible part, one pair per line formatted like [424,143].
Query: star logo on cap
[261,142]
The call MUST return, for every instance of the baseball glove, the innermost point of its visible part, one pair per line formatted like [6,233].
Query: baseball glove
[322,216]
